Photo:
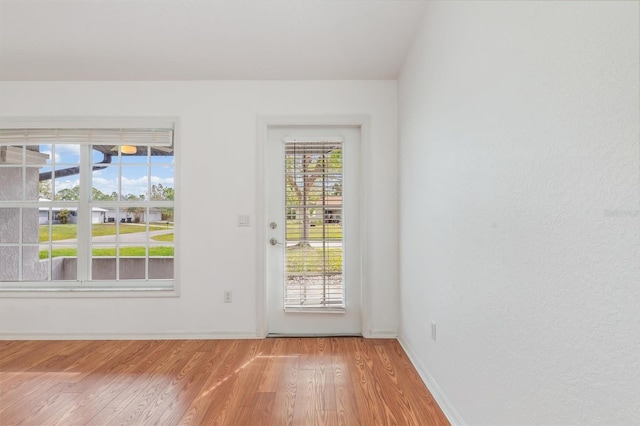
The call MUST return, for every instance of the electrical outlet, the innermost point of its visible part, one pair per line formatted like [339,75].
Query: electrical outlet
[227,296]
[433,330]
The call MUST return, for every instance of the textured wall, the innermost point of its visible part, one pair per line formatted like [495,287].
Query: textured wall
[519,171]
[11,189]
[217,141]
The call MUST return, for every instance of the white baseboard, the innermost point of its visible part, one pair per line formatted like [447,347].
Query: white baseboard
[132,336]
[438,394]
[382,334]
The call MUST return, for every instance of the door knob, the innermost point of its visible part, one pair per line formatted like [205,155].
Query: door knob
[274,241]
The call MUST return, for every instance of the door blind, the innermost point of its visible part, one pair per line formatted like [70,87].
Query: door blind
[314,278]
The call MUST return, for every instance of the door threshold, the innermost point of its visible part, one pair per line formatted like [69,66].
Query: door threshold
[314,335]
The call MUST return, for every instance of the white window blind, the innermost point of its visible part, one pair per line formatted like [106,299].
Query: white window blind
[314,240]
[135,136]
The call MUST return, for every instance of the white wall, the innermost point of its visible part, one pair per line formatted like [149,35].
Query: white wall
[217,182]
[519,188]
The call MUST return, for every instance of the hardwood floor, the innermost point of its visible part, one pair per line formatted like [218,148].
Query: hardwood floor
[275,381]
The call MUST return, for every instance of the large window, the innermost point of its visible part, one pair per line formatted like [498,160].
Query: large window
[87,208]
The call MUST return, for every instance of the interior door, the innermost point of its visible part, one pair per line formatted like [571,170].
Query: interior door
[313,230]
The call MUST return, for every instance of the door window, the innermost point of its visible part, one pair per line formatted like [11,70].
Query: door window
[314,250]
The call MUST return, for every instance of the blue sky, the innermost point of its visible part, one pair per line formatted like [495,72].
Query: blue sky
[135,173]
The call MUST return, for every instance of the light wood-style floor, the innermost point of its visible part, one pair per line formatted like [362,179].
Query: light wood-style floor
[274,381]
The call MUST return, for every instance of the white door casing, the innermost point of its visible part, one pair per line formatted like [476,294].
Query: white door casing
[320,320]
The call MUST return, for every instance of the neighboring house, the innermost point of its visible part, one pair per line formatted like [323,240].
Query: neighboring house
[45,215]
[331,210]
[98,215]
[155,215]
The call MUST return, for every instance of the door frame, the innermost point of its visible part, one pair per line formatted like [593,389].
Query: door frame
[264,122]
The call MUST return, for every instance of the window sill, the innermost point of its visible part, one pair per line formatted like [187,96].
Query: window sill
[87,292]
[316,310]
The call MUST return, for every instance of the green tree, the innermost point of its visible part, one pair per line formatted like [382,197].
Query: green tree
[98,195]
[68,194]
[169,194]
[44,189]
[306,176]
[160,192]
[73,194]
[64,215]
[137,212]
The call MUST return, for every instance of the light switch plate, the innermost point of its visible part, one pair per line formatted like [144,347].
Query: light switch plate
[243,220]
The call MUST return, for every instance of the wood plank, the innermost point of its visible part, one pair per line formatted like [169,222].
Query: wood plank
[238,389]
[276,362]
[422,400]
[88,404]
[284,381]
[178,377]
[148,386]
[285,395]
[305,403]
[262,410]
[346,404]
[329,418]
[20,350]
[200,405]
[193,388]
[51,377]
[42,412]
[371,406]
[385,374]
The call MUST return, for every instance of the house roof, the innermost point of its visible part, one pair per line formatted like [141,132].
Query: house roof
[205,40]
[71,209]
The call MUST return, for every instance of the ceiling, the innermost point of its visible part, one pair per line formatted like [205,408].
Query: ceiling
[205,39]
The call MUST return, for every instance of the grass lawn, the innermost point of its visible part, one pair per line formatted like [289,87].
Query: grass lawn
[110,252]
[332,231]
[69,230]
[309,259]
[163,237]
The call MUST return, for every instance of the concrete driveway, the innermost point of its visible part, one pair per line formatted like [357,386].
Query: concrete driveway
[134,238]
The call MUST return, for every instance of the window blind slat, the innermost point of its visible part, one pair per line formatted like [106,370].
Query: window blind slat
[314,243]
[140,137]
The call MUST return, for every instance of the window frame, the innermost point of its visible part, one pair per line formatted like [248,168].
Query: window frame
[101,288]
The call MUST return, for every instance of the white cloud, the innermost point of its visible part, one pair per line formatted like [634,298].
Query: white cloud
[66,184]
[69,154]
[137,186]
[106,182]
[106,186]
[65,149]
[164,181]
[134,182]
